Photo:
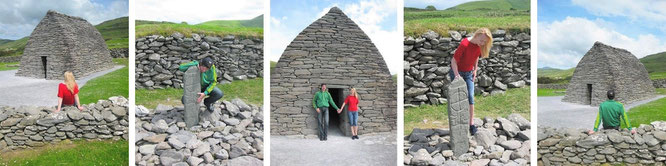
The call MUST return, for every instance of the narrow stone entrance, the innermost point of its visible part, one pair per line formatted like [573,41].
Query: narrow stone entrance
[44,65]
[336,121]
[589,94]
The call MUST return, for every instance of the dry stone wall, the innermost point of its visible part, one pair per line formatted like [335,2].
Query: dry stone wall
[230,135]
[573,146]
[428,57]
[29,126]
[659,83]
[552,86]
[119,52]
[158,58]
[8,59]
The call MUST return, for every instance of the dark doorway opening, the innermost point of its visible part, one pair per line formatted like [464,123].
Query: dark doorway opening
[589,94]
[335,119]
[44,65]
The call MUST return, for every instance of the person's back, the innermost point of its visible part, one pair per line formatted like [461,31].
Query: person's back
[611,114]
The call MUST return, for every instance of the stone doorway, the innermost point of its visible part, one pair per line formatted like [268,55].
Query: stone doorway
[44,65]
[589,94]
[337,121]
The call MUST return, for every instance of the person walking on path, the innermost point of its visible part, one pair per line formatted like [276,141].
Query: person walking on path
[465,63]
[352,111]
[208,82]
[611,114]
[321,102]
[68,92]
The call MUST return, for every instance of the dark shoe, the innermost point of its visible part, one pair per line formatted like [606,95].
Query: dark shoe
[356,136]
[472,129]
[353,137]
[210,108]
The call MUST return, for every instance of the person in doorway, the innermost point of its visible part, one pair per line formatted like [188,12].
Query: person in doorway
[352,111]
[208,82]
[465,64]
[610,113]
[321,102]
[68,93]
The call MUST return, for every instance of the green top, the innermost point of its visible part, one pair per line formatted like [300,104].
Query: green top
[321,99]
[610,113]
[208,78]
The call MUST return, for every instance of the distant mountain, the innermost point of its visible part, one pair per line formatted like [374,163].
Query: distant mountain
[495,4]
[257,22]
[3,41]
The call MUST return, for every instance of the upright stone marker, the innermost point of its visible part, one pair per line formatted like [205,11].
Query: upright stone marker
[458,109]
[192,86]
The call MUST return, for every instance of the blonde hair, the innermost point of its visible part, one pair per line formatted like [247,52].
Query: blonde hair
[353,92]
[70,82]
[485,49]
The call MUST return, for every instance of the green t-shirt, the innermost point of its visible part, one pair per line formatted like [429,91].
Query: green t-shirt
[610,113]
[322,99]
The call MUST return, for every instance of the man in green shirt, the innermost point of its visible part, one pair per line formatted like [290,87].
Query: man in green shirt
[321,103]
[208,82]
[610,113]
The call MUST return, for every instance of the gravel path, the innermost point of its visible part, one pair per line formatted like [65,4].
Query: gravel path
[553,112]
[18,91]
[370,149]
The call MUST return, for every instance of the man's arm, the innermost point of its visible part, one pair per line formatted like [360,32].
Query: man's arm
[625,118]
[314,100]
[596,122]
[330,100]
[213,83]
[183,67]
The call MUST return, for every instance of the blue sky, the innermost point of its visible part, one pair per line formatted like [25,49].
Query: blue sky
[19,17]
[567,29]
[378,19]
[197,11]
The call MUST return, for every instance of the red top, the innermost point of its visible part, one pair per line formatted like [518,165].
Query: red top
[466,55]
[353,103]
[66,95]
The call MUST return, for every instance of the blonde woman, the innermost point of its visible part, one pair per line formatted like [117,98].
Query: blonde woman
[68,93]
[465,63]
[352,111]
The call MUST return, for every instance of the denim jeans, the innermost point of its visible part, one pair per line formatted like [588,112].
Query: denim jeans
[353,118]
[213,96]
[467,76]
[322,121]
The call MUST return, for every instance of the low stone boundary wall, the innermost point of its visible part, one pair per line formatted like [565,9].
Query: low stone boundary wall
[552,86]
[119,52]
[7,59]
[659,83]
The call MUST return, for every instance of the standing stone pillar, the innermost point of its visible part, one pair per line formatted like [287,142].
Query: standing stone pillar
[192,86]
[458,110]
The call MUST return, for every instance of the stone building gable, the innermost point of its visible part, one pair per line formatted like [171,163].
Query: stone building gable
[603,68]
[62,43]
[335,51]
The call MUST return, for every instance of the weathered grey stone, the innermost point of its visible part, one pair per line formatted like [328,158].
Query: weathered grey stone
[192,87]
[458,112]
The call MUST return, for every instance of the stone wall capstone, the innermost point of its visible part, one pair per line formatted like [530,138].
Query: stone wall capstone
[158,57]
[565,146]
[31,126]
[230,135]
[428,57]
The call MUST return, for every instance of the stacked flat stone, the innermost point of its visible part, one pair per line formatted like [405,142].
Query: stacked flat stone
[7,59]
[119,52]
[30,126]
[659,83]
[67,43]
[501,141]
[230,135]
[552,86]
[158,57]
[428,61]
[606,68]
[565,146]
[335,51]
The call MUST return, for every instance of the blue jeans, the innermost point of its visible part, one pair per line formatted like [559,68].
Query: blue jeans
[467,76]
[353,117]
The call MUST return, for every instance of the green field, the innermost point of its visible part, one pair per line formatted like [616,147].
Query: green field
[655,64]
[511,15]
[115,83]
[435,116]
[243,28]
[550,92]
[250,91]
[80,152]
[3,66]
[648,112]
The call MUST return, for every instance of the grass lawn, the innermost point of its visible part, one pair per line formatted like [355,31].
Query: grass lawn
[550,92]
[435,116]
[3,66]
[79,152]
[166,29]
[250,91]
[115,83]
[649,112]
[658,75]
[441,21]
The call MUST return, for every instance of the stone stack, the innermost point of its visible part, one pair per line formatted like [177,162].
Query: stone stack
[158,57]
[30,126]
[119,52]
[428,57]
[230,135]
[501,141]
[565,146]
[659,83]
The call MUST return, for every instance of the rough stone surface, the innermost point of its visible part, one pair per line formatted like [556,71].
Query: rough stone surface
[192,80]
[606,68]
[64,43]
[335,51]
[458,112]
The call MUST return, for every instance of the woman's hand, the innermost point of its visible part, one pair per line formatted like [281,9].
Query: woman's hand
[57,110]
[318,110]
[201,96]
[81,108]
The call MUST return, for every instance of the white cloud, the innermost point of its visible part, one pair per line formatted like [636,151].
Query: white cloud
[563,43]
[650,12]
[197,11]
[439,4]
[275,22]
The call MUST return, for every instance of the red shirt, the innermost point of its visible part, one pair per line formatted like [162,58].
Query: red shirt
[353,103]
[66,95]
[466,55]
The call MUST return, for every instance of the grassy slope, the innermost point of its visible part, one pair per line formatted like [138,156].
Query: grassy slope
[494,14]
[3,66]
[655,65]
[3,41]
[245,28]
[550,92]
[80,152]
[649,112]
[115,83]
[435,116]
[250,91]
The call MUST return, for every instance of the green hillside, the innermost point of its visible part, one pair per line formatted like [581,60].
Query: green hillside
[655,65]
[555,73]
[254,22]
[245,28]
[512,15]
[3,41]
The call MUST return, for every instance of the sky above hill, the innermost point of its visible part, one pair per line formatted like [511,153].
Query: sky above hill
[197,11]
[438,4]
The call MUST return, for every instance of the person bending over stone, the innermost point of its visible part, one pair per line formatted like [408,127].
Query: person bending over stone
[352,111]
[68,93]
[610,114]
[320,102]
[465,63]
[208,82]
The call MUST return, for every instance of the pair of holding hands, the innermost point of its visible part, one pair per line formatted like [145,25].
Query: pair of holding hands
[339,111]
